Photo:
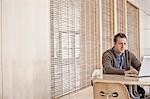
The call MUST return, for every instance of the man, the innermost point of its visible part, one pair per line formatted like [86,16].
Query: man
[119,60]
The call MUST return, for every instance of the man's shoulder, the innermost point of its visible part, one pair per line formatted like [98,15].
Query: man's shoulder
[108,52]
[128,52]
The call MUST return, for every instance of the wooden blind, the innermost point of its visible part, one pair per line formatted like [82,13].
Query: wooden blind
[121,16]
[107,24]
[132,29]
[74,44]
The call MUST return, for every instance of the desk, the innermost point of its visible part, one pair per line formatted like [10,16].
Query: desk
[123,79]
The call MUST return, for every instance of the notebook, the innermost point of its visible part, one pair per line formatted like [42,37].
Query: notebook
[144,70]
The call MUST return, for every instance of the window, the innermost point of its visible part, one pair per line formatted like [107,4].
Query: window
[133,29]
[74,44]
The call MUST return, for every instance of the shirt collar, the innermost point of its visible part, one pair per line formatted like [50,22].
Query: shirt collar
[117,55]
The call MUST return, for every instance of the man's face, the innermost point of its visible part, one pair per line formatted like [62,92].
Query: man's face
[120,45]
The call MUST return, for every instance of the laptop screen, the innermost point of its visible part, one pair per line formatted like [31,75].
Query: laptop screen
[145,67]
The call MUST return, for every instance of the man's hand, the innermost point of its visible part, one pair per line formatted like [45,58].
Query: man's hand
[131,71]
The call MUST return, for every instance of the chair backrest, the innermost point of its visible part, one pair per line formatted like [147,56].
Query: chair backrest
[110,90]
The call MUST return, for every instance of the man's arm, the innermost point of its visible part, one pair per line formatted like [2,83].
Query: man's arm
[135,62]
[131,71]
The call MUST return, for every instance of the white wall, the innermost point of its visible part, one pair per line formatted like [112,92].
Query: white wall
[145,33]
[25,49]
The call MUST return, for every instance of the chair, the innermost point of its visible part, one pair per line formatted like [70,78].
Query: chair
[110,90]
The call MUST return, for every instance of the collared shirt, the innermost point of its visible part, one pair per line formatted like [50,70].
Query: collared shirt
[120,60]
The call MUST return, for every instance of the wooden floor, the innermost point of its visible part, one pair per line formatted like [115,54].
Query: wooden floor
[86,93]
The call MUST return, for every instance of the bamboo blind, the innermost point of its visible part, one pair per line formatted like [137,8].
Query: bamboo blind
[74,44]
[133,29]
[107,24]
[121,16]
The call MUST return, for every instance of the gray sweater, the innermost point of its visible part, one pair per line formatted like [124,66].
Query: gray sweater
[109,62]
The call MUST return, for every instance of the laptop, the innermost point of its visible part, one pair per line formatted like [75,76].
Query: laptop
[144,70]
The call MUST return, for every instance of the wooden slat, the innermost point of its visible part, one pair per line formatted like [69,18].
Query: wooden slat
[133,29]
[121,24]
[107,24]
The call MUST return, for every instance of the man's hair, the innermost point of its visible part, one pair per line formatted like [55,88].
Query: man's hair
[121,35]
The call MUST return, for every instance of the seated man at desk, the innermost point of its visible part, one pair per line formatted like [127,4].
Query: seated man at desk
[119,60]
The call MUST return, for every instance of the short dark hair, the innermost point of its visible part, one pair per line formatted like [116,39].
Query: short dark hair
[121,35]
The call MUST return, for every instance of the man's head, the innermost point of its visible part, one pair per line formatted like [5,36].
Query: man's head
[120,42]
